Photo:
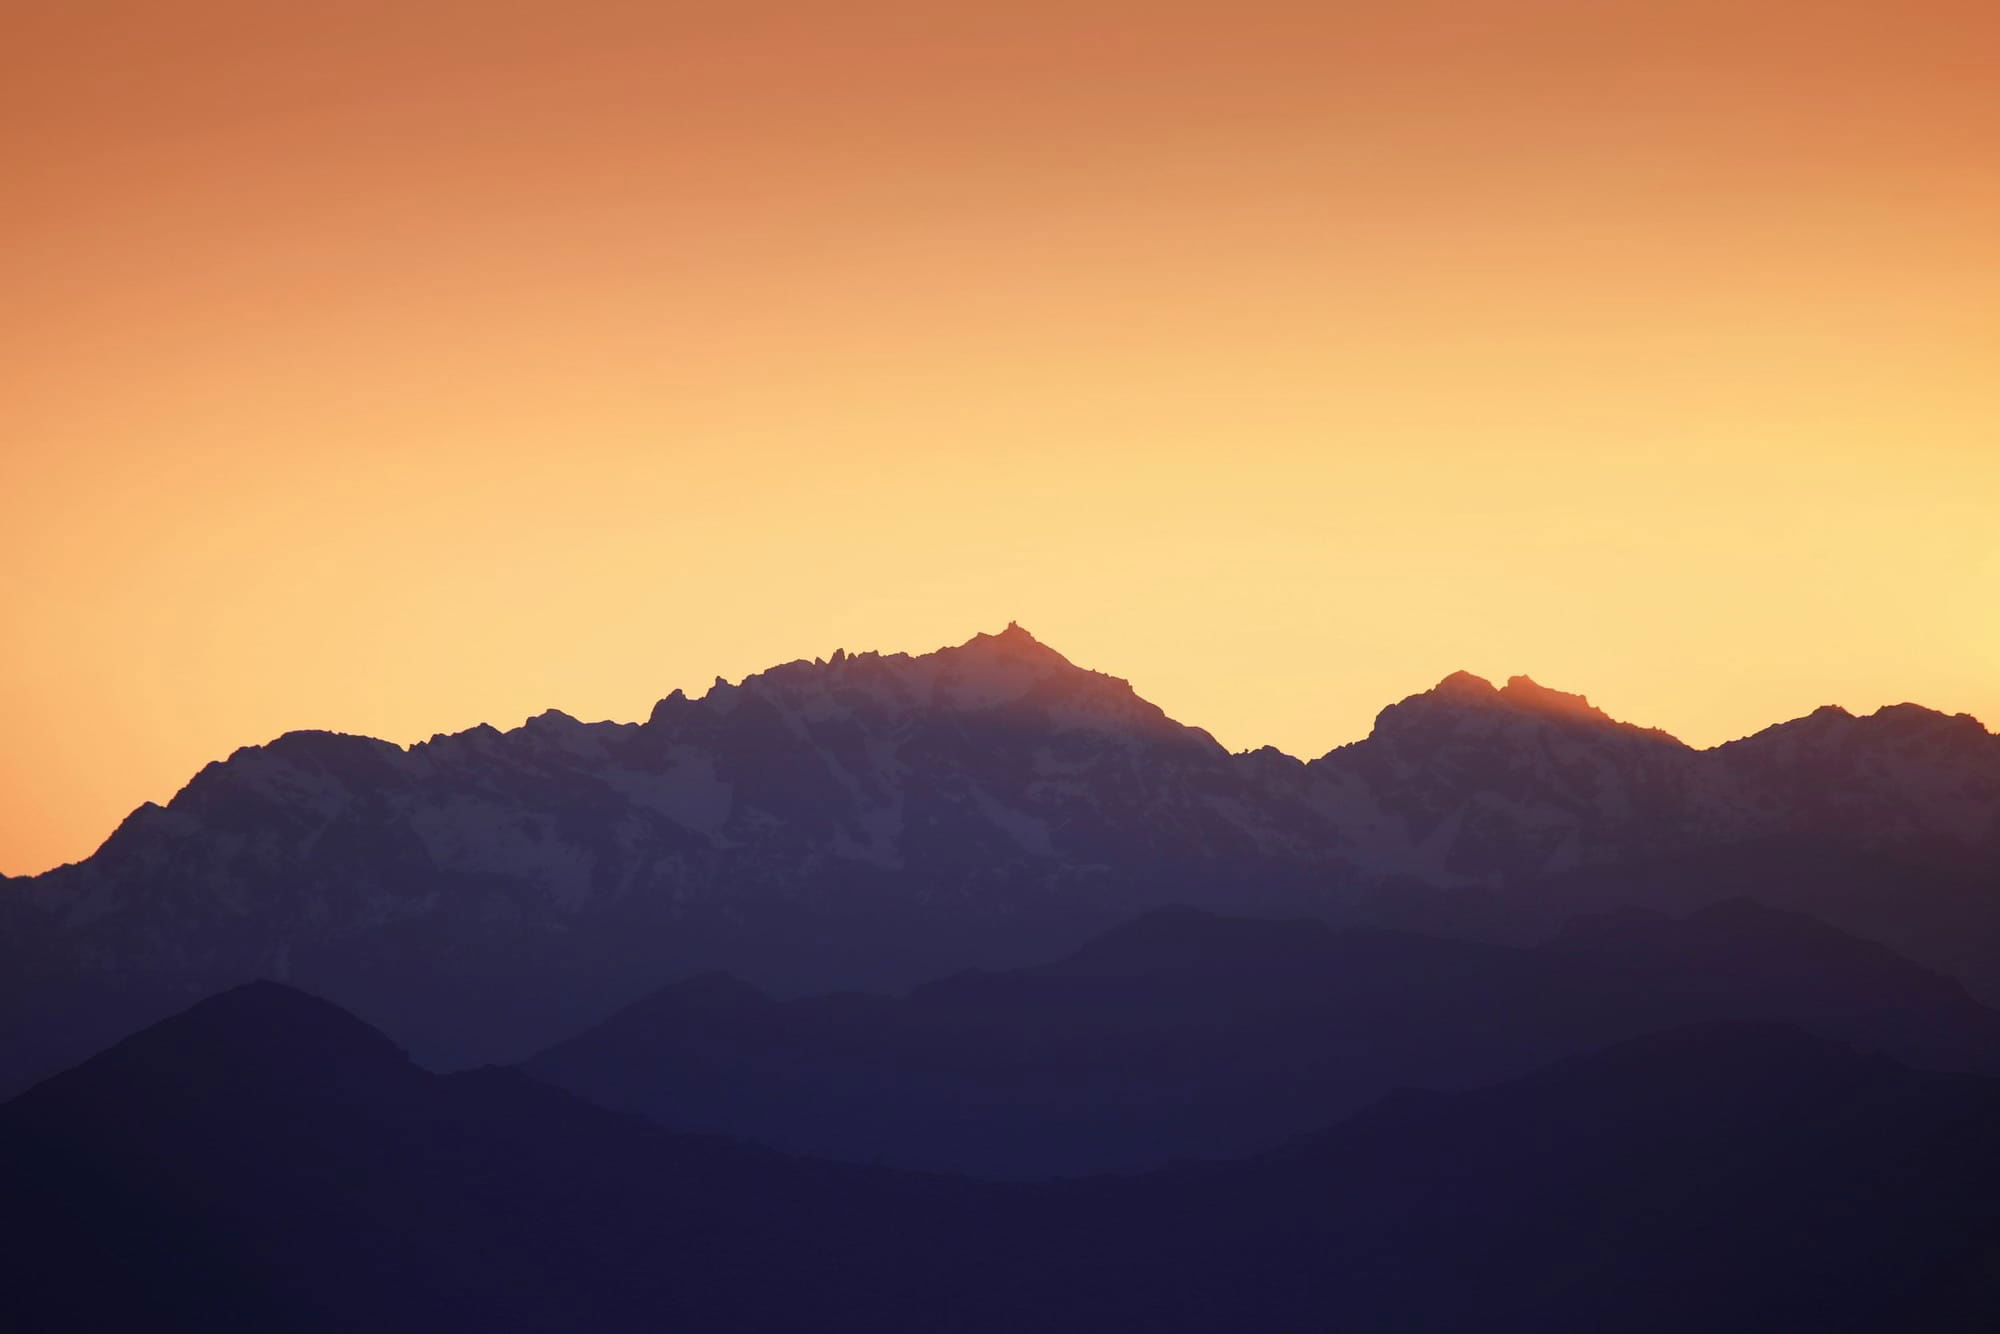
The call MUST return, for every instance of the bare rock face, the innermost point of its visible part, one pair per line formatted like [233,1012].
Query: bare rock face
[876,819]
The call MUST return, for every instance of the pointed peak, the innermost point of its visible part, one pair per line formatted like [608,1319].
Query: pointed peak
[1464,685]
[275,1007]
[319,746]
[676,705]
[1014,637]
[264,1033]
[1463,696]
[1915,722]
[1011,649]
[551,718]
[1270,758]
[1826,720]
[263,995]
[1908,715]
[1830,724]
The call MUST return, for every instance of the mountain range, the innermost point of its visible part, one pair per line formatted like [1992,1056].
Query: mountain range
[1183,1035]
[874,820]
[265,1161]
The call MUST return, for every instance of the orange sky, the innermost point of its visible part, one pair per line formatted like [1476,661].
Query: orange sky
[391,375]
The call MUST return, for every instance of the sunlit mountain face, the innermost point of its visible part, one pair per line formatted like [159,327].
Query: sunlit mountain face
[393,368]
[870,820]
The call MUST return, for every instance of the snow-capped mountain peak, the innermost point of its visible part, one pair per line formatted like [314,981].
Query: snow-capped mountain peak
[874,815]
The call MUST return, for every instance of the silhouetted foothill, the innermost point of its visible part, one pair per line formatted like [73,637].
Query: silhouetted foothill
[1729,1178]
[1185,1035]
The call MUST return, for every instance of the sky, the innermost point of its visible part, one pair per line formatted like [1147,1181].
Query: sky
[393,367]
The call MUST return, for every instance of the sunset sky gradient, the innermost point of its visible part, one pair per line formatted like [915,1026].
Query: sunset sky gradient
[391,372]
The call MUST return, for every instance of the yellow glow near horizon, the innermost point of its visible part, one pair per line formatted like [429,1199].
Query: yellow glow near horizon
[392,374]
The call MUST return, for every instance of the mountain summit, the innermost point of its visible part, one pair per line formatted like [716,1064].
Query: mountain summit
[873,819]
[1011,670]
[1464,697]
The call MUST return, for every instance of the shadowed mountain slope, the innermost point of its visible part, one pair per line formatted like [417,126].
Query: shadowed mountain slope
[264,1162]
[1187,1035]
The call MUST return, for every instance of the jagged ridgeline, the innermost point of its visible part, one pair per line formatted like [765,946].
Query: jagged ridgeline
[873,820]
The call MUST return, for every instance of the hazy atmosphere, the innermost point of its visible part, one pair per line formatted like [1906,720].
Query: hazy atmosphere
[390,369]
